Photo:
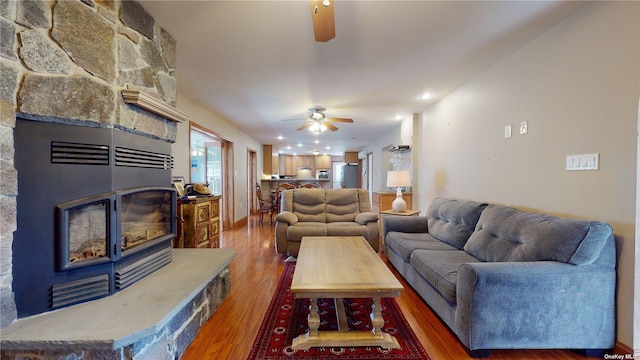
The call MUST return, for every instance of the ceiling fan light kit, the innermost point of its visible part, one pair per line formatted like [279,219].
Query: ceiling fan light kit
[317,121]
[317,128]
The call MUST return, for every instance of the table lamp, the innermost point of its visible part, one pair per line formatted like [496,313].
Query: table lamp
[398,179]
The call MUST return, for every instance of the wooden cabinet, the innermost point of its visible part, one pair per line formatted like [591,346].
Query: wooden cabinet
[298,161]
[274,164]
[267,159]
[350,157]
[323,162]
[286,165]
[289,164]
[198,223]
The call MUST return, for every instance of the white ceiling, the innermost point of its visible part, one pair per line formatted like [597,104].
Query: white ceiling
[256,62]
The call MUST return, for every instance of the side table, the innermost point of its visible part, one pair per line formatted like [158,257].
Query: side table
[401,213]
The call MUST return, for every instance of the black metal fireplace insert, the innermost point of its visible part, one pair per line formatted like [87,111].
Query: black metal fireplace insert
[95,212]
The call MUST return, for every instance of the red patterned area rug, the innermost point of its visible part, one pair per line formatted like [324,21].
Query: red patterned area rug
[286,318]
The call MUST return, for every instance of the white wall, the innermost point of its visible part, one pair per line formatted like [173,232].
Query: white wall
[577,85]
[241,143]
[380,164]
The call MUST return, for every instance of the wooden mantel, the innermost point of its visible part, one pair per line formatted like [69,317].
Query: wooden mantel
[154,105]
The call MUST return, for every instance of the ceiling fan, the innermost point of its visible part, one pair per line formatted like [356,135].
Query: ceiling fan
[324,27]
[318,122]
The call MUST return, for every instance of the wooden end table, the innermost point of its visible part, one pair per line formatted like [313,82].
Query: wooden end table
[343,267]
[401,213]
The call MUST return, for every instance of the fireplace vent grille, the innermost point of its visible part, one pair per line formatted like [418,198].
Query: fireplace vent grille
[79,290]
[80,154]
[128,275]
[142,159]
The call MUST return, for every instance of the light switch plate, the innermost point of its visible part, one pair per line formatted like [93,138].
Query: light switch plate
[524,128]
[507,131]
[583,162]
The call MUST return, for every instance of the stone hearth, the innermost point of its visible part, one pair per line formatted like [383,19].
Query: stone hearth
[154,319]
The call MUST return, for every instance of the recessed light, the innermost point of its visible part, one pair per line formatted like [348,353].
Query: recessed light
[425,96]
[398,117]
[280,137]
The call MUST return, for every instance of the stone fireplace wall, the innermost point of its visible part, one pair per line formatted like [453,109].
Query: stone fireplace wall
[67,61]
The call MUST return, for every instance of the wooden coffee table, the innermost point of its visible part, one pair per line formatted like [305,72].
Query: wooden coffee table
[342,267]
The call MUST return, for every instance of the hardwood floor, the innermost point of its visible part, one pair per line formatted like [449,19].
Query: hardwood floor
[230,332]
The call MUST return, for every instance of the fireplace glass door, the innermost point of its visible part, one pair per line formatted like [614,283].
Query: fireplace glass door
[84,231]
[146,216]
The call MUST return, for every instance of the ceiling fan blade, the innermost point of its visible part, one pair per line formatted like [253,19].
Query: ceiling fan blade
[324,27]
[344,120]
[329,126]
[306,125]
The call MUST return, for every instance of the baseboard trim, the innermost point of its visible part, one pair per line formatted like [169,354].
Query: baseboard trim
[241,223]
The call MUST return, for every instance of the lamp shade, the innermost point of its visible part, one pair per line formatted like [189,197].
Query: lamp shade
[398,178]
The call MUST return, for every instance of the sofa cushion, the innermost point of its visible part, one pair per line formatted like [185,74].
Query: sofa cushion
[309,205]
[405,243]
[342,205]
[307,228]
[508,234]
[440,269]
[453,221]
[347,229]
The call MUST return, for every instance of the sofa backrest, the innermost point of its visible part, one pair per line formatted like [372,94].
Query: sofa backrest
[326,205]
[508,234]
[307,204]
[453,221]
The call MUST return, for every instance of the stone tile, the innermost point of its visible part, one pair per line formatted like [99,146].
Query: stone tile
[77,98]
[9,176]
[42,55]
[7,39]
[136,17]
[33,14]
[95,49]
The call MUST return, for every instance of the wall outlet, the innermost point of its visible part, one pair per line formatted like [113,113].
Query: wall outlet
[524,127]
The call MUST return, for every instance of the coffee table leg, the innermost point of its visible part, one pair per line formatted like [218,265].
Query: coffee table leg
[314,318]
[377,322]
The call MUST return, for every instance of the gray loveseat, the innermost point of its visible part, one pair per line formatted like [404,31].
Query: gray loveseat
[502,278]
[324,212]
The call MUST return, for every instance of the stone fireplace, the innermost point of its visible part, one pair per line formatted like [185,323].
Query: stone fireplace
[67,63]
[92,66]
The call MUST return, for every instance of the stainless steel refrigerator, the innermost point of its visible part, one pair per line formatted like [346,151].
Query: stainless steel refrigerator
[350,176]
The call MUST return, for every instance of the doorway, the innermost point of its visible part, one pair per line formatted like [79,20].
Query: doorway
[211,165]
[252,162]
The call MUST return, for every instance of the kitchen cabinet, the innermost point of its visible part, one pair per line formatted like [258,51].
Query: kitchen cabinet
[323,162]
[350,157]
[267,159]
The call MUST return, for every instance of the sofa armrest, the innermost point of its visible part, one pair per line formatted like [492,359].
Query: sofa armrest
[288,217]
[366,217]
[407,224]
[535,304]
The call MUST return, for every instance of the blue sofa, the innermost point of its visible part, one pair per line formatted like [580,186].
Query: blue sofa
[503,278]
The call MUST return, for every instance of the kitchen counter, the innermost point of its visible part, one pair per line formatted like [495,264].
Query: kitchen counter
[273,183]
